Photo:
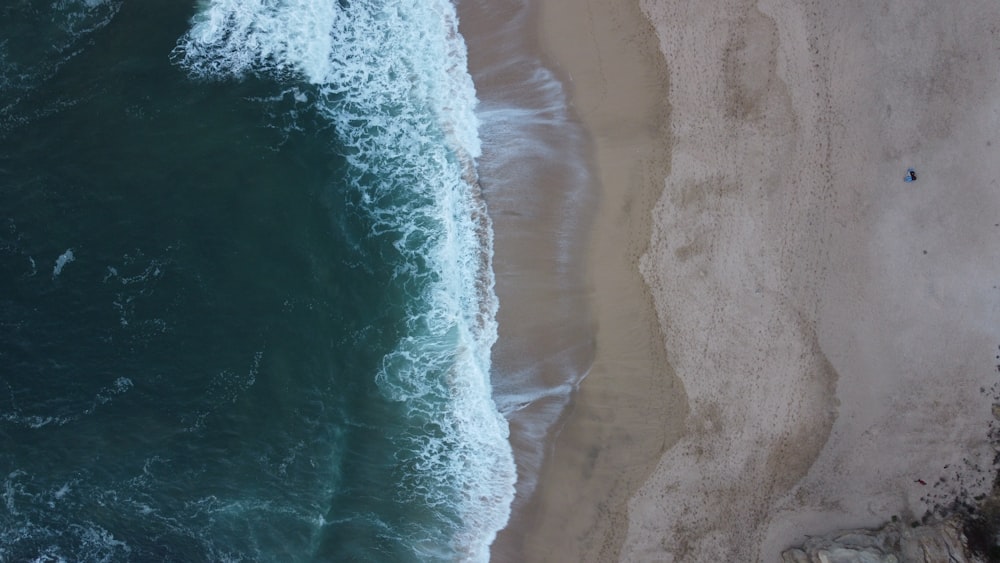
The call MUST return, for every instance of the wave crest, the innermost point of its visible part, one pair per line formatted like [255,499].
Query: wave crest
[391,76]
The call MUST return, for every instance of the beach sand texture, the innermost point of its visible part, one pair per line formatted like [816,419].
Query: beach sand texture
[834,329]
[630,407]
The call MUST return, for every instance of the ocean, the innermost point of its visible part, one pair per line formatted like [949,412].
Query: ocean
[247,299]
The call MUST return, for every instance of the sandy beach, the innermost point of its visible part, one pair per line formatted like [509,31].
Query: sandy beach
[630,408]
[789,339]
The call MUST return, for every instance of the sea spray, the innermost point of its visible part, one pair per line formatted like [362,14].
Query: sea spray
[391,78]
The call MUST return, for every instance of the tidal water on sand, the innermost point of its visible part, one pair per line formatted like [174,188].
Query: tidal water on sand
[246,290]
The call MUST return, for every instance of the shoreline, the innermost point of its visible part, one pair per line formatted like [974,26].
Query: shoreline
[630,406]
[828,324]
[617,398]
[540,191]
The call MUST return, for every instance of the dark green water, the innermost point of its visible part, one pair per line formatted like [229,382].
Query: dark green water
[200,307]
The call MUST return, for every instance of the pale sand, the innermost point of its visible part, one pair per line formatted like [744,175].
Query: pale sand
[834,327]
[827,361]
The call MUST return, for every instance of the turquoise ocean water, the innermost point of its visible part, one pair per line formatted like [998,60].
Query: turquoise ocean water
[246,295]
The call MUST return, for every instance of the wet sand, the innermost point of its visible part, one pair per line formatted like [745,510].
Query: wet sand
[827,334]
[591,456]
[571,214]
[542,194]
[630,407]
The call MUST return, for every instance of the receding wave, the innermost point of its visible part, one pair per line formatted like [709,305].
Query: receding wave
[391,77]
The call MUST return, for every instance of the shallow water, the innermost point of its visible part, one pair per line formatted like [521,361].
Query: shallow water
[541,191]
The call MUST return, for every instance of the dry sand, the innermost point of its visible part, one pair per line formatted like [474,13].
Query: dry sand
[834,328]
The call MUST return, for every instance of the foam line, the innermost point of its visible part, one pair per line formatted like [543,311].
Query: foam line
[391,76]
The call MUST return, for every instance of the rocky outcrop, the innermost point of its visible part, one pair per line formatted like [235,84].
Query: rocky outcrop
[942,542]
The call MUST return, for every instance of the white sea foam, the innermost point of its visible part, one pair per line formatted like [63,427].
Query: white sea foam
[107,394]
[391,76]
[59,494]
[64,258]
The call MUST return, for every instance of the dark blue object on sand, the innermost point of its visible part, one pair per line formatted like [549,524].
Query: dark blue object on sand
[911,175]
